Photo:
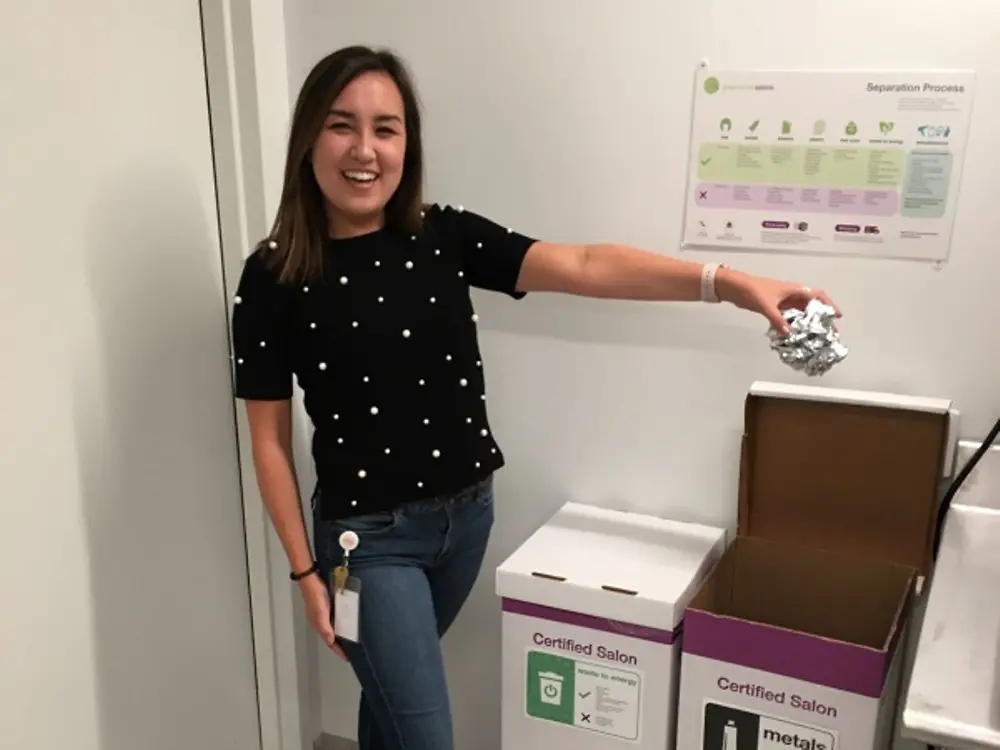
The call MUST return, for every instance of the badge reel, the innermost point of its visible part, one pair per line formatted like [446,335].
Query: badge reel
[346,593]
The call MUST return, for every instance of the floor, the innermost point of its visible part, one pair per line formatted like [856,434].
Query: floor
[327,742]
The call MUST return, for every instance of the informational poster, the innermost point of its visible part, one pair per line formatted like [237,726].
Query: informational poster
[844,163]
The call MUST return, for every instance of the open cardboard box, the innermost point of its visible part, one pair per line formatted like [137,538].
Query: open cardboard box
[795,634]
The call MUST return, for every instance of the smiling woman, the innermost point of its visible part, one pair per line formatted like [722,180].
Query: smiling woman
[362,292]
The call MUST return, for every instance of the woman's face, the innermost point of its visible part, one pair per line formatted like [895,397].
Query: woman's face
[358,156]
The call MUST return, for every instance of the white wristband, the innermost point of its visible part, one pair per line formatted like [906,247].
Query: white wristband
[708,271]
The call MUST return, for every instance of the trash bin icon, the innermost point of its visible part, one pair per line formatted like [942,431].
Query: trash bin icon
[550,686]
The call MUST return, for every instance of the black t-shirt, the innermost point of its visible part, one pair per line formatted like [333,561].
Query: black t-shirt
[385,349]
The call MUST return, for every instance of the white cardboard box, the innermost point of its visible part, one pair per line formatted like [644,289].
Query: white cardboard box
[592,606]
[795,638]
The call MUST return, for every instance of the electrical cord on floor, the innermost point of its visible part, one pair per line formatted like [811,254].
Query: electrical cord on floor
[957,482]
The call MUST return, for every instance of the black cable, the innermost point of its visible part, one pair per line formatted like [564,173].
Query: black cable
[956,484]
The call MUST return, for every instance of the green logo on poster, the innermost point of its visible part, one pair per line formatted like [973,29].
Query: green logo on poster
[711,85]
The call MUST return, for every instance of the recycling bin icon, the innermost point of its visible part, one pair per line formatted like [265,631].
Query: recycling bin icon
[550,686]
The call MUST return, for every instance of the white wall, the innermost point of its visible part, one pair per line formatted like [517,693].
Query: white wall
[125,612]
[570,120]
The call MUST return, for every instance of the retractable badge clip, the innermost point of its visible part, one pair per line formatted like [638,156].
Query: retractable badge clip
[346,592]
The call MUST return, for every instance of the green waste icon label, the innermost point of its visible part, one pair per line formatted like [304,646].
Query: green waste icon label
[583,694]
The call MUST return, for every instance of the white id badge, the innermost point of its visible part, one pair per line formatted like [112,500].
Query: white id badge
[347,611]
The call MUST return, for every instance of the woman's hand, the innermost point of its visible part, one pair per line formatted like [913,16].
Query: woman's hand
[768,297]
[317,600]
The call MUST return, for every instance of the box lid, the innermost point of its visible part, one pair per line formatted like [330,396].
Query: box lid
[856,472]
[626,567]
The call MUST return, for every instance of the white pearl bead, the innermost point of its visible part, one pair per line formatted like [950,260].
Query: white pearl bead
[354,324]
[479,244]
[460,274]
[378,263]
[461,208]
[313,326]
[420,484]
[483,397]
[509,230]
[477,464]
[340,441]
[263,344]
[387,451]
[381,299]
[463,382]
[475,318]
[413,236]
[365,379]
[493,450]
[362,474]
[238,299]
[484,432]
[448,357]
[374,410]
[426,421]
[468,420]
[239,361]
[272,244]
[336,416]
[437,251]
[322,365]
[433,300]
[479,363]
[343,279]
[436,453]
[305,289]
[421,381]
[409,264]
[406,333]
[354,503]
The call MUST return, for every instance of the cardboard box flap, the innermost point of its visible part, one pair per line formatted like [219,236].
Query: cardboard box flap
[612,564]
[855,472]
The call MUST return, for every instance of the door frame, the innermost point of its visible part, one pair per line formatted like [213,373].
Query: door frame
[246,75]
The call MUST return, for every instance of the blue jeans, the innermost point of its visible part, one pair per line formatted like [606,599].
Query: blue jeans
[416,566]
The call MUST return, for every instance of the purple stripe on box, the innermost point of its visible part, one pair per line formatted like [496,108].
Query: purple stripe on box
[821,661]
[541,612]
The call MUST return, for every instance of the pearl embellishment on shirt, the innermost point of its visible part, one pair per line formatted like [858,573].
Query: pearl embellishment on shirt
[237,299]
[343,279]
[475,318]
[272,244]
[433,300]
[374,410]
[463,382]
[484,432]
[263,344]
[436,453]
[409,265]
[406,333]
[362,474]
[322,365]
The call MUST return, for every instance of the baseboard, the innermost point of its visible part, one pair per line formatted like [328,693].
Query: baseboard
[329,742]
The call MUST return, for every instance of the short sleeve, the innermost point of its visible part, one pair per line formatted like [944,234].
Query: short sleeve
[261,330]
[491,254]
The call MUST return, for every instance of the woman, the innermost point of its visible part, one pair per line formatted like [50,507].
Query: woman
[362,292]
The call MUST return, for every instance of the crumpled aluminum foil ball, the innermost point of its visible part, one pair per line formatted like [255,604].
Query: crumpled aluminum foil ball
[812,344]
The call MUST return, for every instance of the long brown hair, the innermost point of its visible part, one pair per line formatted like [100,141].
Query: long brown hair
[295,242]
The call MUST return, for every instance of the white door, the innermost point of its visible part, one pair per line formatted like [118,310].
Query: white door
[124,604]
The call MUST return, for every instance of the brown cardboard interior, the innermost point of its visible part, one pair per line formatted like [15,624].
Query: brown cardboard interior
[860,480]
[808,590]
